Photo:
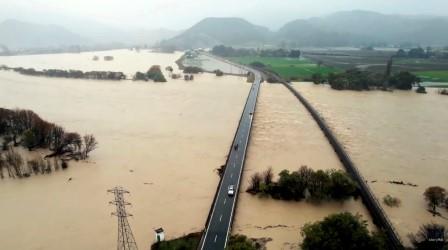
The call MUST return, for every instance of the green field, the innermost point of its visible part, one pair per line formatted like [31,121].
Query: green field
[289,68]
[433,76]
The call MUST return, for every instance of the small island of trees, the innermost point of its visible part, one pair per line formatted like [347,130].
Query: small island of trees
[154,73]
[304,183]
[25,128]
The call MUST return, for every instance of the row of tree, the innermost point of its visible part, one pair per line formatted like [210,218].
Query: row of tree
[225,51]
[26,128]
[16,167]
[355,79]
[304,183]
[78,74]
[349,232]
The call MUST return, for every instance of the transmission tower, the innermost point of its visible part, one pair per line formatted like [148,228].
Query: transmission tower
[126,239]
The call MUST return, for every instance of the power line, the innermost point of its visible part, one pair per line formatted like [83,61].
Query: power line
[126,240]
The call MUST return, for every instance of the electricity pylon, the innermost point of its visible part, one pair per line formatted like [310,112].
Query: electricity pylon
[126,239]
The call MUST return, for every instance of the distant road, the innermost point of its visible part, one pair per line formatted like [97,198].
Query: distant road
[219,225]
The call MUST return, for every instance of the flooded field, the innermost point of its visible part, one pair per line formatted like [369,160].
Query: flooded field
[125,61]
[162,142]
[285,136]
[210,63]
[398,136]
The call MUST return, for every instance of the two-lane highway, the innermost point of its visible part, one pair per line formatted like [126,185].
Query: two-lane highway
[219,225]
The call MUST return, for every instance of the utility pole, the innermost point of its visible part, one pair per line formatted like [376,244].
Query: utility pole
[126,239]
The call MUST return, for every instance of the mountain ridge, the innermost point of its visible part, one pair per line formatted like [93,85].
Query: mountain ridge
[344,28]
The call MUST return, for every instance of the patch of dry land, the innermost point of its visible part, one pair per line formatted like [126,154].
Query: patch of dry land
[161,141]
[391,136]
[285,136]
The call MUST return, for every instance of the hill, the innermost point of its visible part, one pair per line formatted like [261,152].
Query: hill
[357,28]
[214,31]
[19,35]
[347,28]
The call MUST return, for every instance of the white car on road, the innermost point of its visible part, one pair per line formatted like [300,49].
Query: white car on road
[231,190]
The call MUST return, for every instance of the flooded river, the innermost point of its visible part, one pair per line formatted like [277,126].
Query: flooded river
[162,141]
[285,136]
[125,61]
[398,136]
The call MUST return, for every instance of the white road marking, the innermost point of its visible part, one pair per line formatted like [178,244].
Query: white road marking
[216,236]
[225,199]
[220,217]
[231,175]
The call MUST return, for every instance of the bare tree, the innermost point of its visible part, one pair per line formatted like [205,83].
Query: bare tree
[254,183]
[2,165]
[306,174]
[90,144]
[56,163]
[268,175]
[49,164]
[34,166]
[15,161]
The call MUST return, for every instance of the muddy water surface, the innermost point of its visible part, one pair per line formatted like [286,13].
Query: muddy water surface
[398,136]
[162,142]
[285,136]
[125,61]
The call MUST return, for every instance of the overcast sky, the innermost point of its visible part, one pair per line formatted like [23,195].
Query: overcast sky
[181,14]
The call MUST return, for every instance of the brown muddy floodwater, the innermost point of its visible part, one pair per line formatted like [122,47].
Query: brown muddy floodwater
[285,136]
[161,141]
[398,136]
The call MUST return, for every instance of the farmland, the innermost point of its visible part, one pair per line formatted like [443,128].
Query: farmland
[433,76]
[428,69]
[290,68]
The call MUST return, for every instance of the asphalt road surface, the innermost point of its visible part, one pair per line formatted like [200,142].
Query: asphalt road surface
[219,225]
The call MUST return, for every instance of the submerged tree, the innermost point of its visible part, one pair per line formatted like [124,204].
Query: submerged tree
[430,237]
[404,80]
[14,163]
[2,165]
[340,231]
[317,78]
[254,183]
[268,175]
[435,196]
[90,144]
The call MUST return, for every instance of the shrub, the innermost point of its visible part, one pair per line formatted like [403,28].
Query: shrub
[192,70]
[240,242]
[218,72]
[391,201]
[317,78]
[443,91]
[64,164]
[421,90]
[257,65]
